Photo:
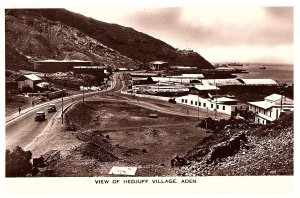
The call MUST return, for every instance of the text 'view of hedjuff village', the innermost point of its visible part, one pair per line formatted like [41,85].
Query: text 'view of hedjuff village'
[89,98]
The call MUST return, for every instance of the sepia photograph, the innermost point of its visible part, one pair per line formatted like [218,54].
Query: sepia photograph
[149,91]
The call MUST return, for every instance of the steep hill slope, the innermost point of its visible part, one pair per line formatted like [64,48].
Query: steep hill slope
[54,32]
[34,37]
[265,150]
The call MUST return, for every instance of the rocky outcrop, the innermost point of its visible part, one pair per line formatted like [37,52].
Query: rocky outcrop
[227,148]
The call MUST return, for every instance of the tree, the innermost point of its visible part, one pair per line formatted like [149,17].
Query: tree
[18,162]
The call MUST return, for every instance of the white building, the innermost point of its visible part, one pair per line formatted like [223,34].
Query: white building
[183,78]
[222,104]
[271,108]
[28,82]
[158,65]
[266,82]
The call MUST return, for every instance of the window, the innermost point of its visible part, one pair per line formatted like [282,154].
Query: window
[182,100]
[196,103]
[223,107]
[204,104]
[191,102]
[185,100]
[264,112]
[199,103]
[217,106]
[212,106]
[270,113]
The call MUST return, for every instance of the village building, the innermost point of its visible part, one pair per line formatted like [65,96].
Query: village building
[271,108]
[256,82]
[158,65]
[183,68]
[58,65]
[222,104]
[28,82]
[97,71]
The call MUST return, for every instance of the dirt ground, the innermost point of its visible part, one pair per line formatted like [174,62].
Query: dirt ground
[118,134]
[13,102]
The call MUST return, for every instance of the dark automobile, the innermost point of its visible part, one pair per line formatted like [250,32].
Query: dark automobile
[172,100]
[51,108]
[40,116]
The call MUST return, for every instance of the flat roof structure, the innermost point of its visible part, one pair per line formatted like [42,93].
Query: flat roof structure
[259,81]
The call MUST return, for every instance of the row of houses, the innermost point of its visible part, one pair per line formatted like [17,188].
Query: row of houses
[193,90]
[266,111]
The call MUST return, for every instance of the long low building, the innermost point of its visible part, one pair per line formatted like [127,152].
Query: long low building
[244,81]
[97,71]
[267,82]
[222,104]
[222,82]
[59,65]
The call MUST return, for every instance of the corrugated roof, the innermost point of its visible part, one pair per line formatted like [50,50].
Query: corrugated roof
[224,99]
[90,67]
[206,87]
[158,62]
[221,82]
[259,81]
[274,97]
[193,75]
[262,104]
[62,61]
[33,77]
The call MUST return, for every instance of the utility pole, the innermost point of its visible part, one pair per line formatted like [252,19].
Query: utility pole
[83,95]
[216,102]
[198,107]
[281,103]
[62,106]
[112,84]
[206,120]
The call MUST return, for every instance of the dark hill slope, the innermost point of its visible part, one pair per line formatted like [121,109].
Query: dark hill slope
[127,41]
[29,36]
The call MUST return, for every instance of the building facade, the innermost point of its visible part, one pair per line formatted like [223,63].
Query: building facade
[28,82]
[158,65]
[222,104]
[59,65]
[270,108]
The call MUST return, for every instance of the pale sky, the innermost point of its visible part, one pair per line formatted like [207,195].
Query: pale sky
[219,33]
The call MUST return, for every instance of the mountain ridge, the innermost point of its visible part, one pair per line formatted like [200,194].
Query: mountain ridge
[60,34]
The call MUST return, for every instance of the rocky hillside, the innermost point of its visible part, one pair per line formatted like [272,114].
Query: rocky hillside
[59,34]
[31,37]
[265,150]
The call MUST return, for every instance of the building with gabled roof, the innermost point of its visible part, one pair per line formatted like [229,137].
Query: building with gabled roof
[28,82]
[270,108]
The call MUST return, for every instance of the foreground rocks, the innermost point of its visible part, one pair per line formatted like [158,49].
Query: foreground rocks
[267,150]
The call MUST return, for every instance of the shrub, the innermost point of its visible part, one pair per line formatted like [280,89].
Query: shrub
[18,163]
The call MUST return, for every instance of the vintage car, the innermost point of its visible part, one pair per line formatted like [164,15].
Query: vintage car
[40,116]
[51,108]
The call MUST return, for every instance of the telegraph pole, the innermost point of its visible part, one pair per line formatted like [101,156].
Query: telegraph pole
[62,106]
[83,95]
[198,107]
[216,102]
[112,84]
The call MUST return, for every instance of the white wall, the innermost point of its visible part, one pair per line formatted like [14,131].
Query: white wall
[25,83]
[264,115]
[192,100]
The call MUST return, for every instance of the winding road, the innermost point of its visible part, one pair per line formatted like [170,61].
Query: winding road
[22,129]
